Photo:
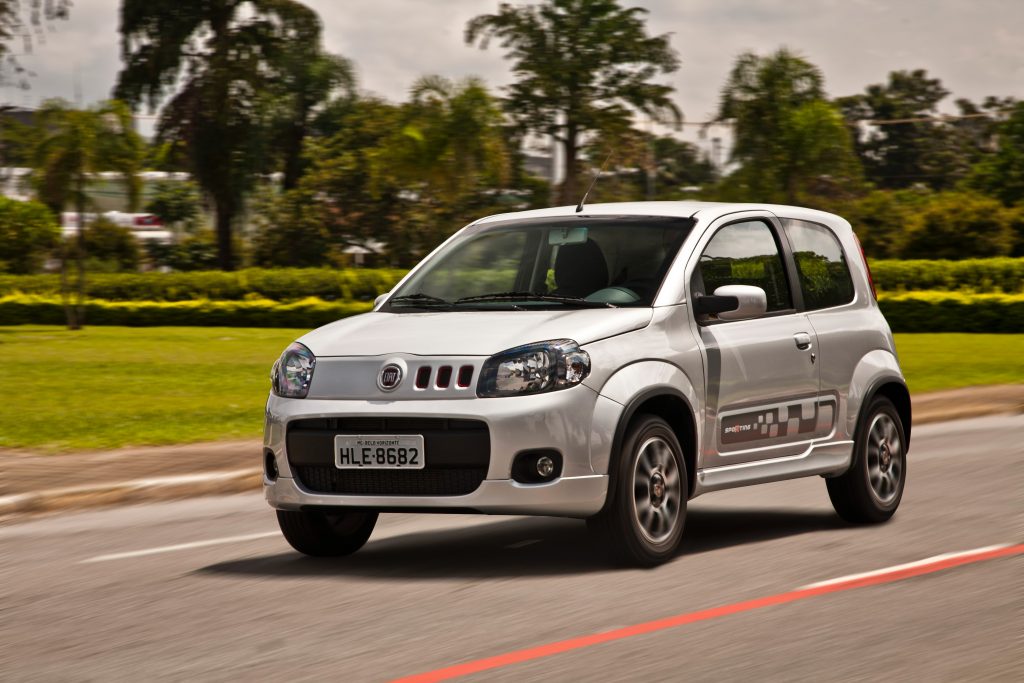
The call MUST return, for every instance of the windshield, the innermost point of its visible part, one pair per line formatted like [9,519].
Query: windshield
[561,262]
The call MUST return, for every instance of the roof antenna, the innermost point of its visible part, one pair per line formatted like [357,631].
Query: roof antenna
[579,207]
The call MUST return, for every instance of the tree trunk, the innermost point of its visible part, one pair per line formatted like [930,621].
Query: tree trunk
[225,217]
[78,321]
[293,155]
[65,293]
[570,193]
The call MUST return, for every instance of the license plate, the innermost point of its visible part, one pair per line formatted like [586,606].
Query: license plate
[379,452]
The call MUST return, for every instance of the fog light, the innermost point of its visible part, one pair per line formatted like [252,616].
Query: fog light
[270,466]
[545,466]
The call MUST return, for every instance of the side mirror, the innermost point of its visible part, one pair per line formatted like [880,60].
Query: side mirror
[733,302]
[380,299]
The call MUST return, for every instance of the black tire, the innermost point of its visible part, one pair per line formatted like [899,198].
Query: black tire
[619,525]
[322,534]
[871,490]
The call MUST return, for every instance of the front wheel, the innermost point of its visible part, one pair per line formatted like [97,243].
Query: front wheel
[871,490]
[642,524]
[326,534]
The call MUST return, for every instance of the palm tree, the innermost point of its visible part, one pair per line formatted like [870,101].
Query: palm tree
[581,67]
[73,145]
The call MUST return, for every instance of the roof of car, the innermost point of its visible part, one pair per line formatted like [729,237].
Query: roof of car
[704,211]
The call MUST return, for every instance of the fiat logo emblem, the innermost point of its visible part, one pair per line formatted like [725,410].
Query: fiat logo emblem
[390,377]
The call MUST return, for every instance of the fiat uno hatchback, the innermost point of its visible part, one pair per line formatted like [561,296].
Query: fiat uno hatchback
[609,364]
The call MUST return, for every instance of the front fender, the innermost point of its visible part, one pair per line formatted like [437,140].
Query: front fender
[625,391]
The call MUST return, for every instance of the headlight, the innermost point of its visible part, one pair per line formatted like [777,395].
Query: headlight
[534,369]
[293,372]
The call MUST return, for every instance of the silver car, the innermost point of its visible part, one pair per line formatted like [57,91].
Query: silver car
[610,364]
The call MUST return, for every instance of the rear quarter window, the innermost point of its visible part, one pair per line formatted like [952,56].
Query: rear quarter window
[821,265]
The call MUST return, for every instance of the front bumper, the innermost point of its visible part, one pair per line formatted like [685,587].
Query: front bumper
[562,420]
[564,497]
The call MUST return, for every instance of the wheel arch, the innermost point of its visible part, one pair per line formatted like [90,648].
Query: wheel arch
[894,389]
[671,405]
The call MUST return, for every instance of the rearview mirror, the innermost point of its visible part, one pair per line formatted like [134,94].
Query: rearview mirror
[380,299]
[733,302]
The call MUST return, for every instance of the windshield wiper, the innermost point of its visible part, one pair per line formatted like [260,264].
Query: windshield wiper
[420,300]
[534,296]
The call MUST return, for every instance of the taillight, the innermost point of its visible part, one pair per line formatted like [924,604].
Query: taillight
[871,280]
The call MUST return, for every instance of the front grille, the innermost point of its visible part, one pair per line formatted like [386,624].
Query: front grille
[458,453]
[425,482]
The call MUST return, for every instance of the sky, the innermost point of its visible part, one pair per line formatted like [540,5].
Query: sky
[974,46]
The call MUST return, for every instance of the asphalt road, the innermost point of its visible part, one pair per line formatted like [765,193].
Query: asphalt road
[206,590]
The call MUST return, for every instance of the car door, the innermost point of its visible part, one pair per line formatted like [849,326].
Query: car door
[761,378]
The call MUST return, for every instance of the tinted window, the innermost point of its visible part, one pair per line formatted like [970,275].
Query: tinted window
[746,254]
[821,265]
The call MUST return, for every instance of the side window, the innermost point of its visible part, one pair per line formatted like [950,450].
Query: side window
[746,254]
[820,264]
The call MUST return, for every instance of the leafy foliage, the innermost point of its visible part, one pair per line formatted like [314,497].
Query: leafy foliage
[27,234]
[279,284]
[955,226]
[581,66]
[111,247]
[905,152]
[1001,175]
[970,275]
[222,57]
[789,141]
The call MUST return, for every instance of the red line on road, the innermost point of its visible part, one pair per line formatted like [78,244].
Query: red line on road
[577,643]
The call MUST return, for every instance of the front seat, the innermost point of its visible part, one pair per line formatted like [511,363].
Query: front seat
[580,269]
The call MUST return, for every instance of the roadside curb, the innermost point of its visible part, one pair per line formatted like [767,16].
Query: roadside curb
[133,491]
[930,408]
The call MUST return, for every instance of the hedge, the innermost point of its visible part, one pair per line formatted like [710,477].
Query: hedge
[953,312]
[977,275]
[909,312]
[306,313]
[279,284]
[363,284]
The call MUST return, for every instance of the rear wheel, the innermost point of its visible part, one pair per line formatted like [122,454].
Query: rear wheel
[323,534]
[642,524]
[871,490]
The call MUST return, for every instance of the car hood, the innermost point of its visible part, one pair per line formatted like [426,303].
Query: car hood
[467,333]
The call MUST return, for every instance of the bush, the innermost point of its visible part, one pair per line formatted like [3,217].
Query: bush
[307,313]
[27,234]
[908,312]
[286,284]
[953,312]
[977,275]
[958,226]
[110,247]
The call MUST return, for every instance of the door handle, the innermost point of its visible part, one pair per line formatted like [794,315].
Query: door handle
[803,340]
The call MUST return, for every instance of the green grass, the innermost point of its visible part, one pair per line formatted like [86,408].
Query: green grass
[115,386]
[106,387]
[945,361]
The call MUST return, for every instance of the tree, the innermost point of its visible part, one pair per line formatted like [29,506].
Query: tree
[73,145]
[221,58]
[580,66]
[111,247]
[309,80]
[1001,174]
[28,232]
[906,150]
[177,204]
[788,140]
[958,226]
[25,20]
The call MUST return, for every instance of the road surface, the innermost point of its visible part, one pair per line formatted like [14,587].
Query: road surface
[207,590]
